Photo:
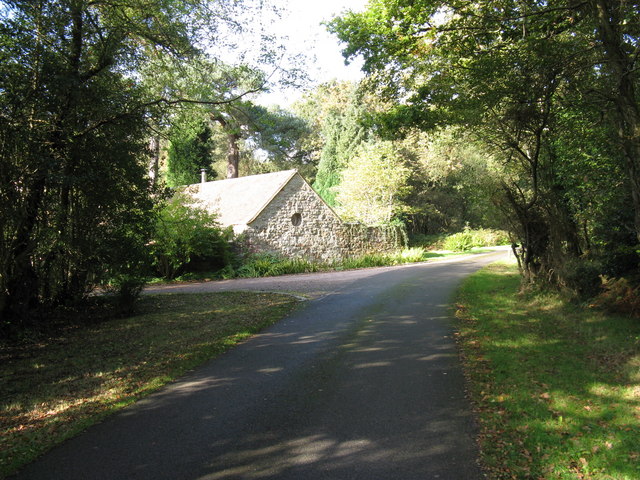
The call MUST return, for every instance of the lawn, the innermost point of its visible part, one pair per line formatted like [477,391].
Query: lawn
[556,386]
[54,386]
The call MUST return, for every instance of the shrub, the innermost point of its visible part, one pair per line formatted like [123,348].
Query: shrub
[269,265]
[257,265]
[410,255]
[188,236]
[432,242]
[620,260]
[127,289]
[581,277]
[459,242]
[619,296]
[468,239]
[365,261]
[485,237]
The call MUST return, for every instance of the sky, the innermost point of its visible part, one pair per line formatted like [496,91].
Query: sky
[306,35]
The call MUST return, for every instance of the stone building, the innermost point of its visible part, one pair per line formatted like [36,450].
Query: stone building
[280,213]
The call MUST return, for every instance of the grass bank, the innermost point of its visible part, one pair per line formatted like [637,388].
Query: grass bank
[556,386]
[267,265]
[53,386]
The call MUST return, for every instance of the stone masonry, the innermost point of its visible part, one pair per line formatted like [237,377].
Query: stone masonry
[296,223]
[280,213]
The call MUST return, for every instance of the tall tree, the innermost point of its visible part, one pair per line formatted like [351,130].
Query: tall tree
[508,70]
[189,153]
[73,154]
[372,185]
[340,116]
[618,36]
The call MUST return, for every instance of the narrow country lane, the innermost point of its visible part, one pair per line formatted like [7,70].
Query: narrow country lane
[362,383]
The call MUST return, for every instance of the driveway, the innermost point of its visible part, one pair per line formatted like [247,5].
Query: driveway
[362,383]
[308,285]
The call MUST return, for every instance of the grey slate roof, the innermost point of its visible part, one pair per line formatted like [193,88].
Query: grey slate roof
[238,201]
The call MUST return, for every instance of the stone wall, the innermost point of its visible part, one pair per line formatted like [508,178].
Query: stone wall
[358,239]
[297,223]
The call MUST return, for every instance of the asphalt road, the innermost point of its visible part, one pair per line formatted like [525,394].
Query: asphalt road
[362,383]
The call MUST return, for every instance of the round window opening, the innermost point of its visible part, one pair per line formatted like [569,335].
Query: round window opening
[296,219]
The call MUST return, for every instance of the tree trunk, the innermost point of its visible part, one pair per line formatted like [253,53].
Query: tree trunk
[154,159]
[233,149]
[608,16]
[233,155]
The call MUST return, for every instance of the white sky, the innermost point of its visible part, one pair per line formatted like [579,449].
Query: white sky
[308,36]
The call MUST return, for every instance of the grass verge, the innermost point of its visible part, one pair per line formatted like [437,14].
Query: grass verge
[267,265]
[56,386]
[556,387]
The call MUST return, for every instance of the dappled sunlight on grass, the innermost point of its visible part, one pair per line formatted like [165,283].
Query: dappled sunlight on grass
[556,387]
[53,388]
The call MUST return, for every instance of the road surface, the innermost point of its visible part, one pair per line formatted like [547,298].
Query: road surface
[362,383]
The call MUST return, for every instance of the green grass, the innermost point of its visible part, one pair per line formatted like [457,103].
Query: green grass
[54,386]
[463,241]
[267,265]
[556,387]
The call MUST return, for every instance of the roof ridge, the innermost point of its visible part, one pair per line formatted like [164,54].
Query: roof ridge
[292,174]
[247,176]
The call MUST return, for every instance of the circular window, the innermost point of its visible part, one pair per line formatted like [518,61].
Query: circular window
[296,219]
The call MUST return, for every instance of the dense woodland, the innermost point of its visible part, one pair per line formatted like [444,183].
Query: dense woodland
[519,115]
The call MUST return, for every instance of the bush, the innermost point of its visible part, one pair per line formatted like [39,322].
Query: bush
[188,237]
[270,265]
[620,260]
[468,239]
[581,277]
[365,261]
[124,289]
[619,296]
[459,242]
[411,255]
[432,242]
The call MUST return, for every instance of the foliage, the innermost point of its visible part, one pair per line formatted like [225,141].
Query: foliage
[619,296]
[342,133]
[126,289]
[580,277]
[430,242]
[453,181]
[74,194]
[186,234]
[459,242]
[189,153]
[268,265]
[76,112]
[61,381]
[469,239]
[219,98]
[553,385]
[319,108]
[543,88]
[265,265]
[372,185]
[279,134]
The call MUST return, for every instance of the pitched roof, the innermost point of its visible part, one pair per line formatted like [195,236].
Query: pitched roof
[238,201]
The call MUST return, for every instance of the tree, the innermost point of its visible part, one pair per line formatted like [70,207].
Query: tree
[372,185]
[618,35]
[74,113]
[185,233]
[453,182]
[509,70]
[189,153]
[341,131]
[71,126]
